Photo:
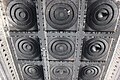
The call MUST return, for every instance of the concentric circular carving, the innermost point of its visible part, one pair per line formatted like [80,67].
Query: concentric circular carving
[102,14]
[21,14]
[27,47]
[95,48]
[61,48]
[61,72]
[33,71]
[90,72]
[61,14]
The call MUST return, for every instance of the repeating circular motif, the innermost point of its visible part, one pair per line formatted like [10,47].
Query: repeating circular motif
[90,72]
[21,14]
[95,48]
[27,47]
[61,72]
[32,71]
[61,14]
[61,48]
[102,14]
